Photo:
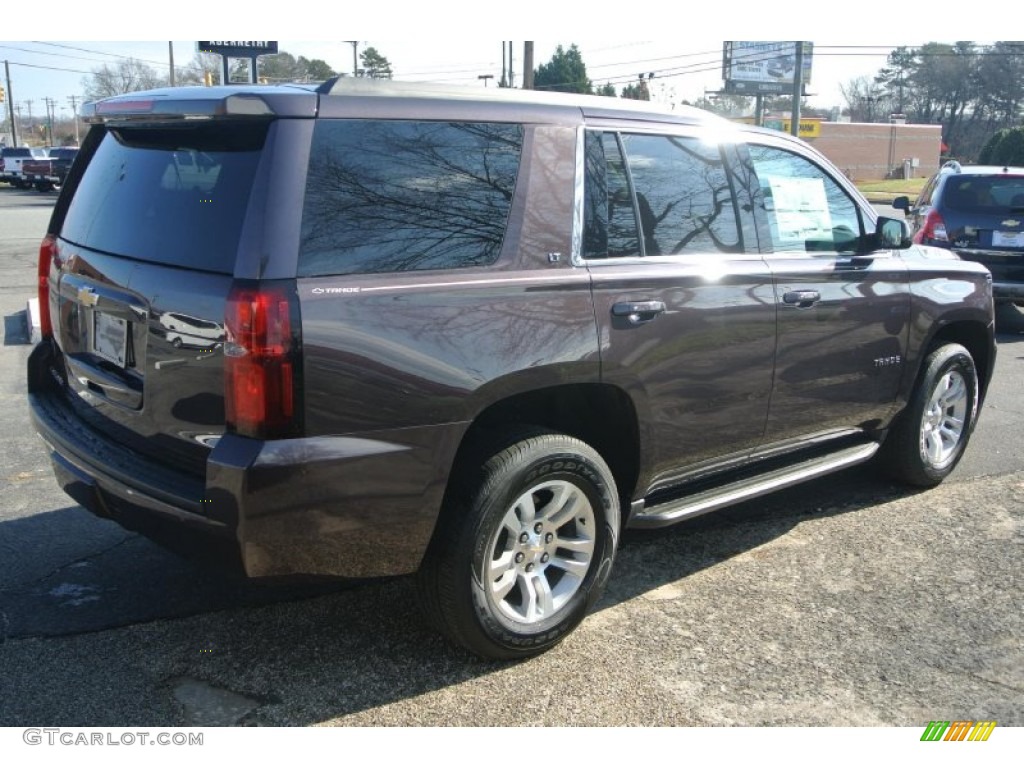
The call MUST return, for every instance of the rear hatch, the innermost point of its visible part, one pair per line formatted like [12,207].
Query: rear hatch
[984,217]
[148,236]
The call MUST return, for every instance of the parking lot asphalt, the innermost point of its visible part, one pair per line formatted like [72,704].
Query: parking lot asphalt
[847,601]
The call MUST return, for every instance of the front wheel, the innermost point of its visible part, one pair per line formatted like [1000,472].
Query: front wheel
[929,437]
[524,550]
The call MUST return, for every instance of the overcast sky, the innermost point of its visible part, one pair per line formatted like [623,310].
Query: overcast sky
[454,41]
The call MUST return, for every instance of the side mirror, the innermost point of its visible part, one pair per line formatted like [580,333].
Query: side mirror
[901,203]
[892,233]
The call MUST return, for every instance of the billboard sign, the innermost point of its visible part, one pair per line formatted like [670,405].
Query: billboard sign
[753,68]
[238,49]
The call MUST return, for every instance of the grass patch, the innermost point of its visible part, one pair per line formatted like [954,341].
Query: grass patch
[892,187]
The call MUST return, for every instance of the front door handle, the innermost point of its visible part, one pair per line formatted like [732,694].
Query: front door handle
[638,311]
[802,299]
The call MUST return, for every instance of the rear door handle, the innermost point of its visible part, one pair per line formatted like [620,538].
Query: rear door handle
[801,299]
[638,311]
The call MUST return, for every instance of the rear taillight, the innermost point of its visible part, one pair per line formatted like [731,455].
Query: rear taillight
[47,250]
[260,361]
[933,230]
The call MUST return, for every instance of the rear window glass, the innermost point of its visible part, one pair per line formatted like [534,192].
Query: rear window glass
[173,196]
[984,193]
[392,196]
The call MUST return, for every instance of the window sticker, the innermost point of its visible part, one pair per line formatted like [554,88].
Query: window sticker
[798,208]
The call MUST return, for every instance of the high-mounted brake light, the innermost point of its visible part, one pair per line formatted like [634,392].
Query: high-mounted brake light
[47,250]
[260,359]
[119,106]
[933,230]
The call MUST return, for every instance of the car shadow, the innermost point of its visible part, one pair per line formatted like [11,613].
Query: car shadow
[1009,323]
[304,655]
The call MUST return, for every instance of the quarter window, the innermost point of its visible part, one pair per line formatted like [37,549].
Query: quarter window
[391,196]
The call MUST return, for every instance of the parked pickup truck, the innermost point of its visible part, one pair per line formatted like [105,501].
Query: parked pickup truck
[48,172]
[11,159]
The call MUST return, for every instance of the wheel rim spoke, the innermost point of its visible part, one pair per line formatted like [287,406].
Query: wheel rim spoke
[501,565]
[576,568]
[511,523]
[583,546]
[526,508]
[502,586]
[562,506]
[945,418]
[538,602]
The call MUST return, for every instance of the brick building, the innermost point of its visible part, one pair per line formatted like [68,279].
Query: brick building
[869,151]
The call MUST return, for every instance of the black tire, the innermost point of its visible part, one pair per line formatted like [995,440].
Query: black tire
[930,435]
[43,186]
[524,549]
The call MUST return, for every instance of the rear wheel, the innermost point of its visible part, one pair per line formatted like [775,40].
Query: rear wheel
[929,437]
[525,548]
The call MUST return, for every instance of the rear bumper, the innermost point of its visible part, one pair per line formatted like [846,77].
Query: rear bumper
[349,507]
[1007,268]
[1014,291]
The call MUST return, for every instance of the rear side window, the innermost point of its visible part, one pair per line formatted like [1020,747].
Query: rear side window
[675,188]
[393,196]
[175,195]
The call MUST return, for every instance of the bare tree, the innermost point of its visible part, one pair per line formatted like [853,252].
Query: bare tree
[124,77]
[866,100]
[195,72]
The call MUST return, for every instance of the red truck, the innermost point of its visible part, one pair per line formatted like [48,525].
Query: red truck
[49,172]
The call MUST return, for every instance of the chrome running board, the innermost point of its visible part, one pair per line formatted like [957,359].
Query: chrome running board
[732,493]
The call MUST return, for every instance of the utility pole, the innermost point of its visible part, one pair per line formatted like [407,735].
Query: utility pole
[798,88]
[50,104]
[355,57]
[170,54]
[528,65]
[511,74]
[10,104]
[74,117]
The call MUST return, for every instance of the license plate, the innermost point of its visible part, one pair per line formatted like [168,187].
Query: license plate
[110,338]
[1007,239]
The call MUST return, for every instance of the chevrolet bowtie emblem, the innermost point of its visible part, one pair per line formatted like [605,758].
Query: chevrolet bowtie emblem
[1009,223]
[87,297]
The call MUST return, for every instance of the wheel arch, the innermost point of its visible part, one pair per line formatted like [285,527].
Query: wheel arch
[976,337]
[601,415]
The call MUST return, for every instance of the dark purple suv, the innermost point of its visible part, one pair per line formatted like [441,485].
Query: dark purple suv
[377,329]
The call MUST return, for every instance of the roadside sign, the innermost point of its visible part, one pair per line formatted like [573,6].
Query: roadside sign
[238,49]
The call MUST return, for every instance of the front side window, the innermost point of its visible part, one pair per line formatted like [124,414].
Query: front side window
[807,209]
[392,196]
[669,193]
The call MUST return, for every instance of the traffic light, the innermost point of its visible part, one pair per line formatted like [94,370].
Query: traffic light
[3,94]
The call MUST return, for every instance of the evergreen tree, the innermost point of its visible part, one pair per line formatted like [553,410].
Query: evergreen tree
[565,72]
[375,65]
